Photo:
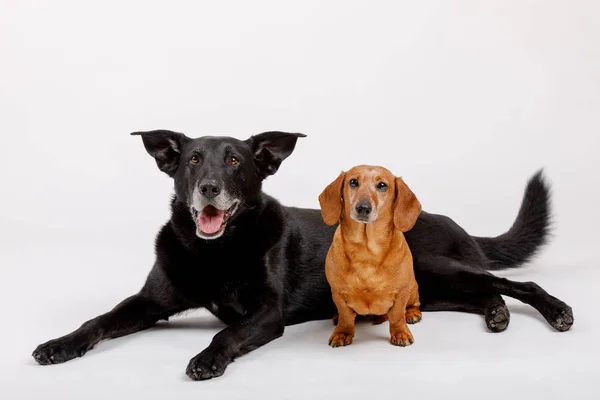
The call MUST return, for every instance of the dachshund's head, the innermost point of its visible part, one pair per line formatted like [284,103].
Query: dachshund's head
[369,193]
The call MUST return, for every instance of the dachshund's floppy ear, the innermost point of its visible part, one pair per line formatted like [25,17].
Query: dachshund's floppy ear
[271,148]
[407,207]
[165,146]
[331,201]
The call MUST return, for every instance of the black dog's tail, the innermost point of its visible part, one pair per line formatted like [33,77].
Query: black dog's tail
[528,233]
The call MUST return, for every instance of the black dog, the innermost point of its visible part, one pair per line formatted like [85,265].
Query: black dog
[259,266]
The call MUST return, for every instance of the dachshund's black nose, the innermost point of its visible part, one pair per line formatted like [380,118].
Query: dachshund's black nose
[363,209]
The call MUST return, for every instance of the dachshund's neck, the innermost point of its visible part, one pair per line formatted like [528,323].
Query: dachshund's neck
[378,237]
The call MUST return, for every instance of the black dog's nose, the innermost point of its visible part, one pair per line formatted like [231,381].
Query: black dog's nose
[210,189]
[363,209]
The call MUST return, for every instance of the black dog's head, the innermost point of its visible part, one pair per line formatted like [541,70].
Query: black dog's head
[216,176]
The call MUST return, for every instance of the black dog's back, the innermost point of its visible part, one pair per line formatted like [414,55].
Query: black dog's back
[440,235]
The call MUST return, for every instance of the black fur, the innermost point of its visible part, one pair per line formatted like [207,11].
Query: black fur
[528,233]
[267,269]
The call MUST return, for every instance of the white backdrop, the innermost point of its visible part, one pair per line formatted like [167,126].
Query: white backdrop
[464,99]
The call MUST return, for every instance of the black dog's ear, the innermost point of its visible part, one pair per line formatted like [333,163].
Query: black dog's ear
[271,148]
[165,146]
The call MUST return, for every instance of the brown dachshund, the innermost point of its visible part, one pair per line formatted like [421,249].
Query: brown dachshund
[369,265]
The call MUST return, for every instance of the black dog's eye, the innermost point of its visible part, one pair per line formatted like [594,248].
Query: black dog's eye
[382,186]
[353,183]
[195,159]
[233,161]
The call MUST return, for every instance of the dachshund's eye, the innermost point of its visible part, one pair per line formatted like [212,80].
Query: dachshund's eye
[382,186]
[233,161]
[353,183]
[195,159]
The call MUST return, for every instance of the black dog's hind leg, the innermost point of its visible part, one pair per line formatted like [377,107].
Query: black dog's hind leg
[133,314]
[492,307]
[446,276]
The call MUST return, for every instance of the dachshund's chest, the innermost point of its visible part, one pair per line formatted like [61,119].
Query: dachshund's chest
[369,290]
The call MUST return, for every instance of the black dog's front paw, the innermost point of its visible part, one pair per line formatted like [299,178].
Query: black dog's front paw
[58,351]
[207,365]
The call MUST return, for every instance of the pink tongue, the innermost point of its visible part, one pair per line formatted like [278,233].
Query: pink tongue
[210,219]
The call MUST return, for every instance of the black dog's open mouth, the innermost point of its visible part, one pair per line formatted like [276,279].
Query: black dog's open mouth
[210,221]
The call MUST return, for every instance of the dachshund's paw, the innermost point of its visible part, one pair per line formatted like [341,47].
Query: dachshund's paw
[207,365]
[563,320]
[413,315]
[60,350]
[339,339]
[402,339]
[497,318]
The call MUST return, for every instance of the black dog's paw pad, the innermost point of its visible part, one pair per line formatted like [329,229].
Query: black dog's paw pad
[57,352]
[198,374]
[497,318]
[201,373]
[205,366]
[564,320]
[46,356]
[42,358]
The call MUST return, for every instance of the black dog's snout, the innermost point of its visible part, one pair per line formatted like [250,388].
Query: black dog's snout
[363,209]
[210,189]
